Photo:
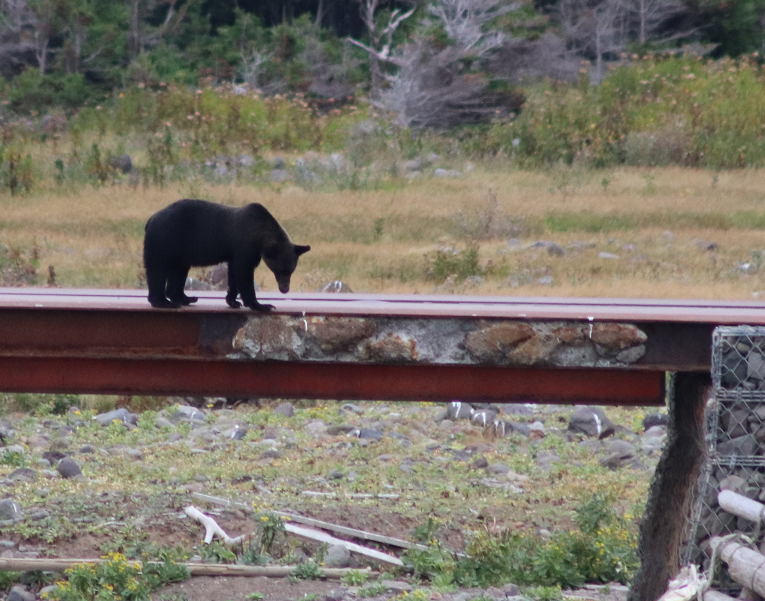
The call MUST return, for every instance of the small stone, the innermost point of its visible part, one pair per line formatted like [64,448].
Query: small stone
[555,249]
[655,419]
[352,408]
[121,415]
[285,409]
[370,434]
[605,255]
[479,463]
[511,590]
[278,163]
[20,593]
[537,430]
[447,173]
[335,429]
[334,475]
[68,468]
[22,474]
[459,410]
[591,421]
[397,586]
[10,510]
[316,428]
[279,176]
[337,557]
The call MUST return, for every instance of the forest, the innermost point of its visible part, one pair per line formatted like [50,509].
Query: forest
[472,52]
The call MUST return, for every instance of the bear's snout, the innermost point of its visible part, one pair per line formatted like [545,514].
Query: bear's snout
[284,288]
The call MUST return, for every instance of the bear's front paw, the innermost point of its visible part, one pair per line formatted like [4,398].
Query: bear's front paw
[261,308]
[233,303]
[163,303]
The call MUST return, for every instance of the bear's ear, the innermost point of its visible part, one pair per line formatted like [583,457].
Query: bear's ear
[301,250]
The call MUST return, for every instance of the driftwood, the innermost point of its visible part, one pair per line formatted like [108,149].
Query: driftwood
[740,505]
[195,569]
[745,566]
[355,495]
[323,537]
[363,535]
[211,527]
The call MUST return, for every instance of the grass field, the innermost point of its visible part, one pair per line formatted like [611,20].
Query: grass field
[387,240]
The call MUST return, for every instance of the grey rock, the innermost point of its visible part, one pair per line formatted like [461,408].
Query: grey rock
[22,474]
[472,281]
[121,162]
[186,413]
[335,595]
[87,449]
[591,421]
[10,510]
[479,463]
[555,249]
[413,165]
[511,590]
[447,173]
[337,557]
[370,434]
[279,176]
[316,428]
[335,287]
[245,160]
[655,419]
[497,468]
[743,445]
[121,414]
[278,163]
[236,433]
[483,418]
[459,410]
[334,475]
[270,454]
[20,593]
[286,409]
[161,422]
[336,429]
[397,586]
[605,255]
[68,468]
[352,408]
[12,449]
[734,483]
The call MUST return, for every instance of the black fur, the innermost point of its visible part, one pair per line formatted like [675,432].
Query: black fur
[196,233]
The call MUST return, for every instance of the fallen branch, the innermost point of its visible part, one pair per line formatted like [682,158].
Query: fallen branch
[195,569]
[378,538]
[313,493]
[323,537]
[211,527]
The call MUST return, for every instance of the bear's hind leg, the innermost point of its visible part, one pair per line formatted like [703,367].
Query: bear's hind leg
[155,278]
[233,291]
[176,280]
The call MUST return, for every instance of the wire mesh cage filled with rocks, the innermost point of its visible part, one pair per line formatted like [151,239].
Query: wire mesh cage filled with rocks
[735,423]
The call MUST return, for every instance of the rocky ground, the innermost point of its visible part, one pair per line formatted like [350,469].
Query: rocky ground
[83,484]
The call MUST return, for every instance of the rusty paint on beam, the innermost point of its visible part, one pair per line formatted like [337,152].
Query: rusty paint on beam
[283,379]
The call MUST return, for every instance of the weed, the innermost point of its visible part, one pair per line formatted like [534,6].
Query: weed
[256,596]
[354,578]
[216,552]
[308,570]
[426,532]
[8,579]
[544,593]
[13,459]
[371,590]
[447,262]
[488,221]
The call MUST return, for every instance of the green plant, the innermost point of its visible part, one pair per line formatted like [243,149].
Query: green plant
[544,593]
[308,570]
[269,526]
[371,590]
[446,263]
[112,579]
[256,596]
[13,459]
[8,579]
[216,552]
[354,578]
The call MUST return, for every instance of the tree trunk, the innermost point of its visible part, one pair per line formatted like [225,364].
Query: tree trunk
[669,503]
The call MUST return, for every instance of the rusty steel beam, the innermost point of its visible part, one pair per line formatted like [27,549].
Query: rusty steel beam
[281,379]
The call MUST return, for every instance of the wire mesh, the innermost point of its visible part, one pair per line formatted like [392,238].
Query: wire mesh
[735,436]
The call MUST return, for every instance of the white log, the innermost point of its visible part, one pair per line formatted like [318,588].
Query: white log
[378,538]
[195,569]
[211,527]
[744,565]
[323,537]
[740,505]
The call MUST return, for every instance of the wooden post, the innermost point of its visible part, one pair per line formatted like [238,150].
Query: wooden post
[740,505]
[669,501]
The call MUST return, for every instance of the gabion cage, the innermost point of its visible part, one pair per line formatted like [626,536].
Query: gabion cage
[735,436]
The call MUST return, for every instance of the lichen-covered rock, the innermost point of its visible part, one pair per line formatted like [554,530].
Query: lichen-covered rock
[534,350]
[340,333]
[617,336]
[393,349]
[268,337]
[493,343]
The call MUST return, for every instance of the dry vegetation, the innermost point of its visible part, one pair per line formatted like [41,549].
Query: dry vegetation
[385,240]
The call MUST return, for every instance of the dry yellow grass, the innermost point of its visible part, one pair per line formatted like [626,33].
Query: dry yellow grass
[377,241]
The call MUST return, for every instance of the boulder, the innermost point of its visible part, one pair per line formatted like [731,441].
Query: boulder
[591,421]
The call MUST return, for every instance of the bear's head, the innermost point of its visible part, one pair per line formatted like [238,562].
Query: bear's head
[282,260]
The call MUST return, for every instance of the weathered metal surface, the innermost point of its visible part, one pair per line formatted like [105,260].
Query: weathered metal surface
[330,381]
[585,309]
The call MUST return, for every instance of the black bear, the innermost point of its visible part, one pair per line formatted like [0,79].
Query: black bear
[196,233]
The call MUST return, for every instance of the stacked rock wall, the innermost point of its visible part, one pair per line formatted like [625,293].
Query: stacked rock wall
[736,440]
